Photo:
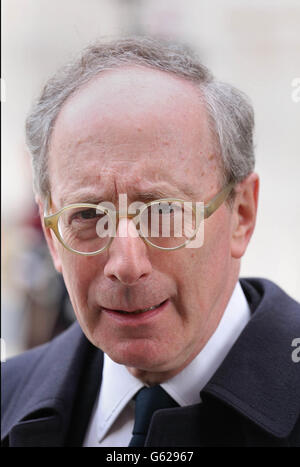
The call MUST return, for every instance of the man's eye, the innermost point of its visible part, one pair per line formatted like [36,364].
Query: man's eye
[167,209]
[87,214]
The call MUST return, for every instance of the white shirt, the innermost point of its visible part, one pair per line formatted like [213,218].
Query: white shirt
[112,418]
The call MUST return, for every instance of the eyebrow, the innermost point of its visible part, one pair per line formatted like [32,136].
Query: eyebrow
[177,192]
[86,198]
[149,195]
[153,195]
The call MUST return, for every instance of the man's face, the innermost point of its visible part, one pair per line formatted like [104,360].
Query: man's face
[142,133]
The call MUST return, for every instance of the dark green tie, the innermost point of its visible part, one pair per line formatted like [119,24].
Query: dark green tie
[147,401]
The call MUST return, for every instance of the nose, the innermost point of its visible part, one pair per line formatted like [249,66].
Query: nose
[128,260]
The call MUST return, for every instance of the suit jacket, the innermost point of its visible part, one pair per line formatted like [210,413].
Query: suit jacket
[252,400]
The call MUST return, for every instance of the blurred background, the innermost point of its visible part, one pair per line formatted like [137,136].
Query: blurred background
[253,44]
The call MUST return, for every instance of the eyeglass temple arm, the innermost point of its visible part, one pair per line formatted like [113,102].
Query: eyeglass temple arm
[216,202]
[49,219]
[47,206]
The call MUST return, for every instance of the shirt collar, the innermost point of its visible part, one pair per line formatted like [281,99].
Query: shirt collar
[117,389]
[119,386]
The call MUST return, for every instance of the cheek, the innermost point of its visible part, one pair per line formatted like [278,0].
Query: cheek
[216,249]
[204,269]
[79,273]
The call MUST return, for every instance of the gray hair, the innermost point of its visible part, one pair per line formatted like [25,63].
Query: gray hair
[229,110]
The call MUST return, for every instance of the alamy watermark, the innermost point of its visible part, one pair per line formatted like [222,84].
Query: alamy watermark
[296,90]
[162,219]
[296,352]
[3,350]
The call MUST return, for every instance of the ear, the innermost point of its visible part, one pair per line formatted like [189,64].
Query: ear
[51,240]
[244,214]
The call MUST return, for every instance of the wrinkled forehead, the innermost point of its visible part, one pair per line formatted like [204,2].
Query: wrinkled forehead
[138,181]
[132,127]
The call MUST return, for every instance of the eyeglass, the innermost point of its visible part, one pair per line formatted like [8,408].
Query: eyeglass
[167,224]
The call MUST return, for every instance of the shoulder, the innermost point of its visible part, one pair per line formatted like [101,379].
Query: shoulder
[24,363]
[25,373]
[16,370]
[266,296]
[275,321]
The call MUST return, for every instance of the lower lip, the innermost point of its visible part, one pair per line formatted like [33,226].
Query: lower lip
[135,319]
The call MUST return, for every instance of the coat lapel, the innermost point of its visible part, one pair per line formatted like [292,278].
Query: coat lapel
[45,431]
[202,425]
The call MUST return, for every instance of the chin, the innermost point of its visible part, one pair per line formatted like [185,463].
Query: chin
[143,356]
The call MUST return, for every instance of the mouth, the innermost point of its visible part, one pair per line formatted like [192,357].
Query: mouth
[138,314]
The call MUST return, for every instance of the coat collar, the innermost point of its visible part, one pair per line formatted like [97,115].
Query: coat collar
[258,378]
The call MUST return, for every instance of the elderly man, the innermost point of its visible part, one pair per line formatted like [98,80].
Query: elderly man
[170,348]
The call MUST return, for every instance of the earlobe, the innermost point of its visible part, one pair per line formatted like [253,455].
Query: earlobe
[244,215]
[51,241]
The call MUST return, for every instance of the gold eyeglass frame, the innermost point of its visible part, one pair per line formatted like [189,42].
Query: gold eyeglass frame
[51,220]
